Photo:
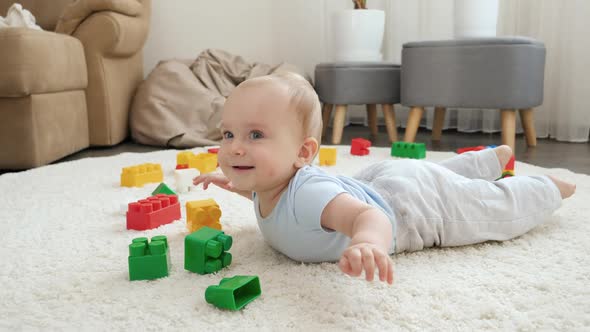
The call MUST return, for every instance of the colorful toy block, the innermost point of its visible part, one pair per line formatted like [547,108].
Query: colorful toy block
[328,156]
[204,162]
[205,251]
[183,179]
[470,148]
[202,213]
[149,260]
[233,293]
[508,169]
[138,175]
[162,188]
[360,147]
[408,150]
[213,150]
[153,212]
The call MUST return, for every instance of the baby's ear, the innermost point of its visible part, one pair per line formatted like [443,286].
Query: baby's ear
[307,152]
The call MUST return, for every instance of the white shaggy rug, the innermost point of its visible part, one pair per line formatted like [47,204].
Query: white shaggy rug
[64,252]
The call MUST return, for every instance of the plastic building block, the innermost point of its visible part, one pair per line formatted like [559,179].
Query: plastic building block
[204,162]
[162,188]
[233,293]
[153,212]
[328,156]
[205,251]
[183,179]
[202,213]
[360,147]
[408,150]
[509,168]
[213,150]
[138,175]
[470,148]
[149,260]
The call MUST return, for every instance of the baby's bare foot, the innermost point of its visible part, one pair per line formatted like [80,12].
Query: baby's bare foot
[504,153]
[566,189]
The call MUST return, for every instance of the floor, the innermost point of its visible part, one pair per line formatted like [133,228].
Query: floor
[548,153]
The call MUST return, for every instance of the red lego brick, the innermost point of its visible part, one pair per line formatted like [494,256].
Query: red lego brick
[153,212]
[213,150]
[470,148]
[181,166]
[510,165]
[360,147]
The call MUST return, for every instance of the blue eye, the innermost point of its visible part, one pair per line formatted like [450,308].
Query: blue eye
[227,135]
[256,134]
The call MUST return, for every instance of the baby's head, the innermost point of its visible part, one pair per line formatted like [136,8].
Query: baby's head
[271,126]
[302,99]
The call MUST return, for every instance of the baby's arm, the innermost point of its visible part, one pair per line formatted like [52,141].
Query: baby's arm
[221,181]
[371,236]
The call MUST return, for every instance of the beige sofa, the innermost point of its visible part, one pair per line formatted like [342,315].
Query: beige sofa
[65,90]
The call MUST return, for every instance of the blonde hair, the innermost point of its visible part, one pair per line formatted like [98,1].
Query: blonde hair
[303,98]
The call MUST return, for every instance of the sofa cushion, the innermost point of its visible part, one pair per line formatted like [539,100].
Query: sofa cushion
[35,62]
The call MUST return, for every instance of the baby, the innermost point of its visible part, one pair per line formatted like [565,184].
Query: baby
[271,129]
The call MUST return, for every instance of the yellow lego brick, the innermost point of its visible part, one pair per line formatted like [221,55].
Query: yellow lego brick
[204,162]
[202,213]
[138,175]
[327,156]
[183,158]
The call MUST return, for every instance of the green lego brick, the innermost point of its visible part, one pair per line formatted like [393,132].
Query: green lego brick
[408,150]
[163,189]
[205,251]
[233,293]
[149,260]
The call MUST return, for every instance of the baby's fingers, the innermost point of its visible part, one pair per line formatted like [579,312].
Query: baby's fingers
[344,265]
[368,263]
[383,262]
[355,260]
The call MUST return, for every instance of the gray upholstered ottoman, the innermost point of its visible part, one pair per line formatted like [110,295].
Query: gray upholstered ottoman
[503,73]
[358,83]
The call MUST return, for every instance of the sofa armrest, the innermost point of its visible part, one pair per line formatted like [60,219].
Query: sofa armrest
[113,34]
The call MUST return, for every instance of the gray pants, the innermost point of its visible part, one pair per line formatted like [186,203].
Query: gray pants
[457,202]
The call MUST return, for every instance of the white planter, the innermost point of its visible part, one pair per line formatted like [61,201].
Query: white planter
[357,34]
[475,18]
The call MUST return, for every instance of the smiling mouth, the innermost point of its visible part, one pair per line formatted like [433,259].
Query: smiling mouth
[243,167]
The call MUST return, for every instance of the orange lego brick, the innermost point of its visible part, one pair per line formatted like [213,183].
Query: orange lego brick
[202,213]
[138,175]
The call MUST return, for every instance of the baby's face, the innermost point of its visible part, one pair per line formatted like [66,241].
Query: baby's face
[261,137]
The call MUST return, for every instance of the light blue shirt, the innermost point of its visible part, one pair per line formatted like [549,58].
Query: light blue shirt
[294,226]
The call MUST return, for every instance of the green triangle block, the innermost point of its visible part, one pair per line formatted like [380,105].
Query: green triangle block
[163,189]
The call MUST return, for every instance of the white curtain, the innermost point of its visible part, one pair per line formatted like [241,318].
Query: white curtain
[303,37]
[564,27]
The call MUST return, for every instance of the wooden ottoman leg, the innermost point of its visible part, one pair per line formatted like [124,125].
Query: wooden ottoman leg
[372,118]
[338,124]
[439,120]
[389,115]
[508,119]
[413,123]
[528,124]
[326,113]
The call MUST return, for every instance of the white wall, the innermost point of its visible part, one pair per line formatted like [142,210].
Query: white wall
[184,28]
[273,31]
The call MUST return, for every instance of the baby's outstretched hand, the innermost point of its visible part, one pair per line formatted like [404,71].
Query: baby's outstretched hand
[219,180]
[367,257]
